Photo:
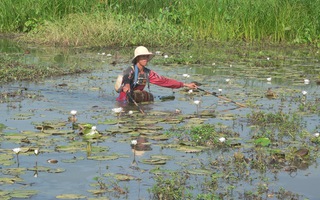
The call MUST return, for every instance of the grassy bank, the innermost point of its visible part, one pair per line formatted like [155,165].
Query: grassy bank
[167,22]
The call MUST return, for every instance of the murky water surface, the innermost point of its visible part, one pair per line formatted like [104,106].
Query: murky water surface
[93,97]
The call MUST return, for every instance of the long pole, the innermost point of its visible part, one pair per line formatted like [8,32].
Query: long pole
[222,97]
[135,103]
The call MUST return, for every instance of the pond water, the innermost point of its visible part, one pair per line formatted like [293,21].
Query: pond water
[82,172]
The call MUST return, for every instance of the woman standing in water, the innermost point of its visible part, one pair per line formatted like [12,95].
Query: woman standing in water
[136,77]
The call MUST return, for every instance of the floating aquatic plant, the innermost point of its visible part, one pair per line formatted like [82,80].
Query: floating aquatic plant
[262,142]
[134,143]
[117,111]
[197,102]
[17,151]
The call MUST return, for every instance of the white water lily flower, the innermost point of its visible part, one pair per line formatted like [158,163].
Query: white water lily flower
[117,110]
[36,151]
[306,81]
[166,56]
[268,58]
[304,92]
[134,142]
[222,139]
[92,131]
[197,102]
[220,90]
[73,112]
[130,112]
[16,150]
[158,52]
[228,79]
[269,79]
[316,134]
[103,53]
[109,54]
[190,91]
[186,75]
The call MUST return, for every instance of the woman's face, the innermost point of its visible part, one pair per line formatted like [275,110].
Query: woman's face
[143,60]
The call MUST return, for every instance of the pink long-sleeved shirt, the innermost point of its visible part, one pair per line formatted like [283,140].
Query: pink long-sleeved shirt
[156,79]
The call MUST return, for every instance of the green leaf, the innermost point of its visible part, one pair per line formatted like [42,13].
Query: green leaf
[262,142]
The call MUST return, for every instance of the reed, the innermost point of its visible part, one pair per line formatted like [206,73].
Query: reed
[153,22]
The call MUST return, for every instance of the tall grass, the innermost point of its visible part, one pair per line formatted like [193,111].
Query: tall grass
[154,22]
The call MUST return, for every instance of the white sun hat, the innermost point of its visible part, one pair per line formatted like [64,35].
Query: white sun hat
[141,51]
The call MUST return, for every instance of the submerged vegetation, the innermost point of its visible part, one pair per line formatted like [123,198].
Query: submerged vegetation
[212,150]
[159,23]
[14,68]
[207,150]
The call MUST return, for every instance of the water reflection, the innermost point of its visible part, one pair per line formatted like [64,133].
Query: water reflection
[139,146]
[92,94]
[35,175]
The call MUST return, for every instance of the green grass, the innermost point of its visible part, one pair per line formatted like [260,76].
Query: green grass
[161,23]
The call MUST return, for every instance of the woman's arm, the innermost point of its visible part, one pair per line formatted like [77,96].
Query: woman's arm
[162,81]
[127,79]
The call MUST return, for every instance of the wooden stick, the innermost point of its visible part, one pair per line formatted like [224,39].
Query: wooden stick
[135,103]
[222,97]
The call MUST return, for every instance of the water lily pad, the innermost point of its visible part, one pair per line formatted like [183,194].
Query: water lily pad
[200,171]
[207,113]
[119,130]
[14,171]
[58,132]
[13,137]
[109,121]
[23,116]
[10,180]
[162,157]
[125,177]
[6,159]
[98,149]
[161,137]
[72,160]
[147,121]
[4,195]
[56,170]
[149,133]
[39,169]
[262,142]
[55,124]
[190,149]
[194,122]
[103,157]
[70,196]
[134,134]
[153,161]
[23,194]
[92,136]
[72,147]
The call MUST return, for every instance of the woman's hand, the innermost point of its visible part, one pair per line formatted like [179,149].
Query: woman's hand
[126,88]
[190,85]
